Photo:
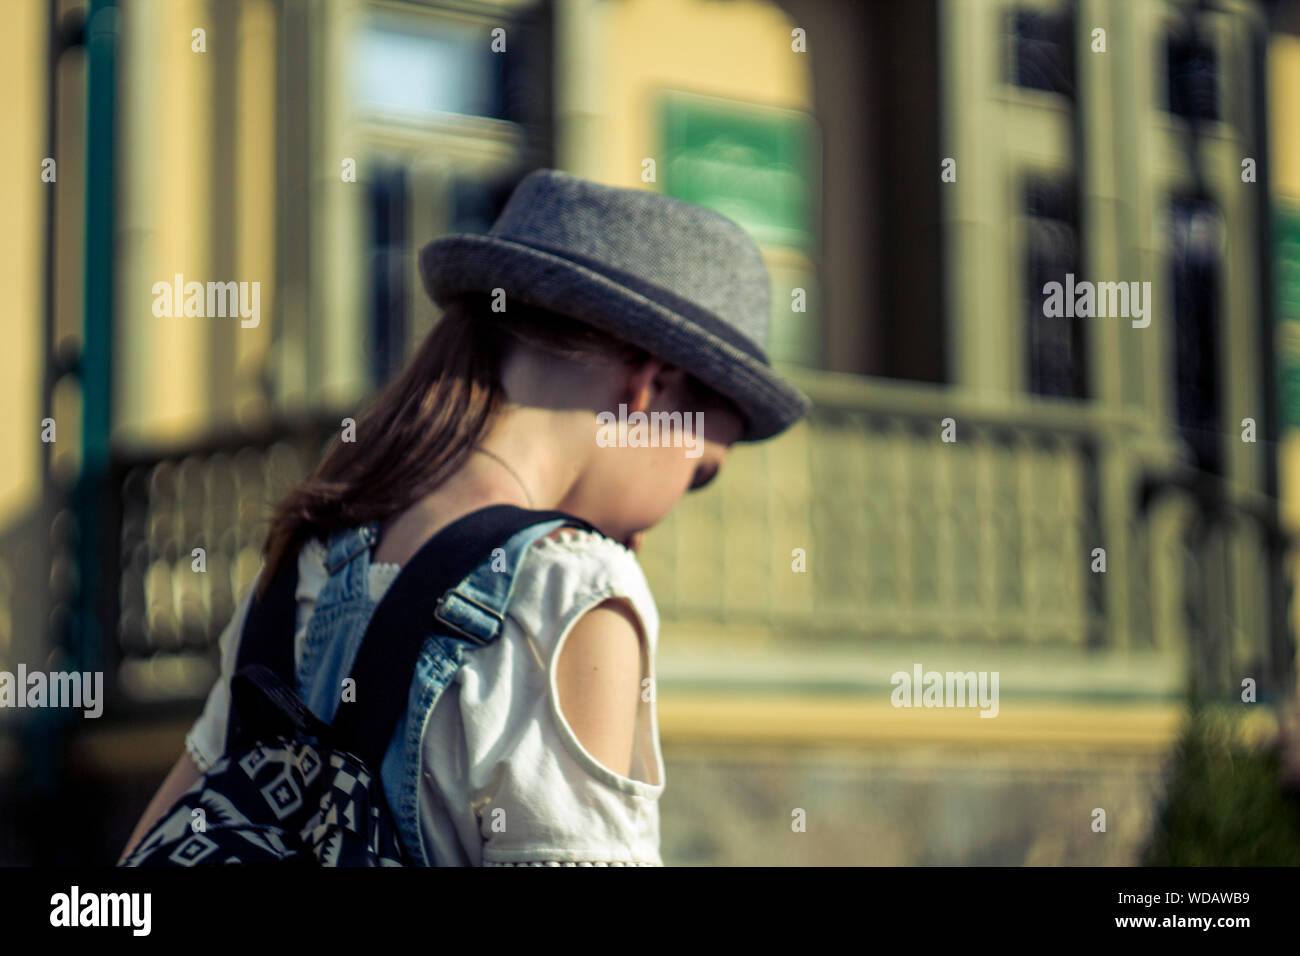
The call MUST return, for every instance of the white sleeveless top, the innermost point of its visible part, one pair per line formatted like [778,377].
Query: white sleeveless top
[506,780]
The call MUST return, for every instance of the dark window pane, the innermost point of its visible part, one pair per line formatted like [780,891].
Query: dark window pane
[1192,77]
[476,203]
[1196,243]
[389,257]
[518,94]
[1043,51]
[1055,344]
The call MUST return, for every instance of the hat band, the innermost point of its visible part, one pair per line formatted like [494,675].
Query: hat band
[701,317]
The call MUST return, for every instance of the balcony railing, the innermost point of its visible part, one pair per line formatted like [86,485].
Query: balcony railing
[986,541]
[902,534]
[165,617]
[992,540]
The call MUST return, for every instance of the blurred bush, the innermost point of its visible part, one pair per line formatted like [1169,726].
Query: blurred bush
[1228,801]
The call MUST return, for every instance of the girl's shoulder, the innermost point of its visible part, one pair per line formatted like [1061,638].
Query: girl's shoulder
[587,553]
[573,570]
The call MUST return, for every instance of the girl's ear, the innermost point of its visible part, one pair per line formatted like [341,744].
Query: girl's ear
[643,384]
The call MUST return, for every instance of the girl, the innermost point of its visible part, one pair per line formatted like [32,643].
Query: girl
[543,749]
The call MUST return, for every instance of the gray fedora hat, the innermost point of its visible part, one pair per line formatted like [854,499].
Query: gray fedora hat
[679,280]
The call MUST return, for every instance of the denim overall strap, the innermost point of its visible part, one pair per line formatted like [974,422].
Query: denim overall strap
[470,615]
[338,622]
[346,545]
[475,609]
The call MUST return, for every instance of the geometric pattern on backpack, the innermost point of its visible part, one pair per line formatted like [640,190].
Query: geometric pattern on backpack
[283,800]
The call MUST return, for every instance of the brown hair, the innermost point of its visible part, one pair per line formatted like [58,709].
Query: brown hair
[421,427]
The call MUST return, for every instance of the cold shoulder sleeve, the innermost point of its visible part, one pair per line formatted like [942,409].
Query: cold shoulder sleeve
[533,795]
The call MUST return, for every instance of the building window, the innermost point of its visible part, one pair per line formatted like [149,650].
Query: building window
[390,251]
[411,65]
[1191,75]
[1196,265]
[430,65]
[1042,50]
[1055,347]
[421,82]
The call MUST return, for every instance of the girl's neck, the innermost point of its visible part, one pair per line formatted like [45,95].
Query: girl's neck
[530,450]
[546,449]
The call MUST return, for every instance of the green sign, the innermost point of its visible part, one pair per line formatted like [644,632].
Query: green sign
[1287,261]
[753,164]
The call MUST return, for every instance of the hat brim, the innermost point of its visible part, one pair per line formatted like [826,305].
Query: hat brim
[456,265]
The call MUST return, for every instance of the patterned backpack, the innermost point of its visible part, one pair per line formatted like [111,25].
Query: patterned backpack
[290,787]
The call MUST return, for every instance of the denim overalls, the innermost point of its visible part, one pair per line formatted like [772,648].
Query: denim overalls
[471,614]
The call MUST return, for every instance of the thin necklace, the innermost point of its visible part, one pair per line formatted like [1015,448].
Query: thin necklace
[515,474]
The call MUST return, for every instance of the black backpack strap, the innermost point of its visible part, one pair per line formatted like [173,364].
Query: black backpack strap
[391,646]
[271,617]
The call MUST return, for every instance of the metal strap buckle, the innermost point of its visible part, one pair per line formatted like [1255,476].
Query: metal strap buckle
[437,616]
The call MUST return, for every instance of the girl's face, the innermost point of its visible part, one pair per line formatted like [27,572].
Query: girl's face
[665,437]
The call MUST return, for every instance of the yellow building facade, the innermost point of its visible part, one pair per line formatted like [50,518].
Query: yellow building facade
[311,146]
